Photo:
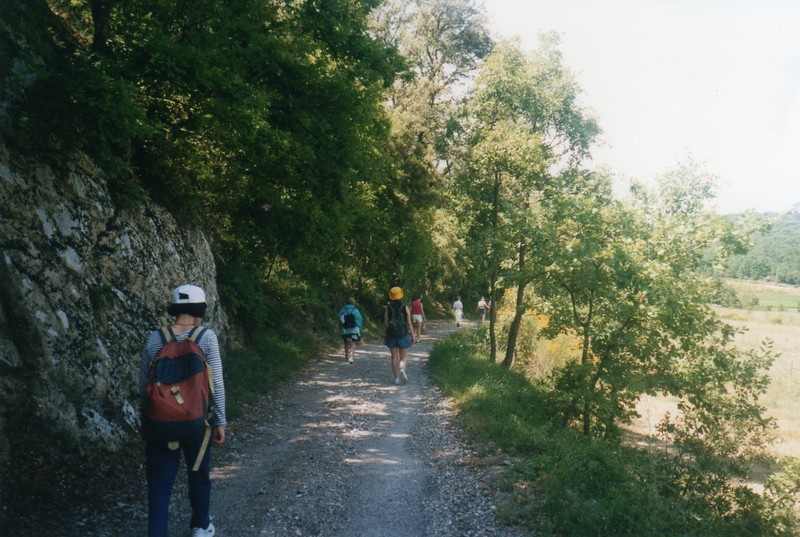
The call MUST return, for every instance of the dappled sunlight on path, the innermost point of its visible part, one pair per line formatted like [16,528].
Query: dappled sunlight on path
[342,451]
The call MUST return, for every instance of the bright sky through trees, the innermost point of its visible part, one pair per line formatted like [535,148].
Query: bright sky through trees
[715,79]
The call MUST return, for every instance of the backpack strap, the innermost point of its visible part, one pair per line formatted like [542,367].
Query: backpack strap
[401,309]
[167,335]
[196,333]
[203,446]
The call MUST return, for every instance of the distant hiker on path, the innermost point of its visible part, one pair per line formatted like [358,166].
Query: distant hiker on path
[417,317]
[482,307]
[169,392]
[349,324]
[458,310]
[397,331]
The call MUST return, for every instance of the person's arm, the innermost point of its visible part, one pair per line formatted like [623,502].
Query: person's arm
[214,359]
[408,320]
[219,437]
[210,347]
[385,321]
[422,309]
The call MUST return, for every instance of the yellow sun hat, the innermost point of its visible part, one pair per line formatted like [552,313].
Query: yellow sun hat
[395,293]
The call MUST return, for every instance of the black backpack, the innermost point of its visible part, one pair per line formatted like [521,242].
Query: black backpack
[349,320]
[397,320]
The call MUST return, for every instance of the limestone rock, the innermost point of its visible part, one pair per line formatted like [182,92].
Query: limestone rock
[81,283]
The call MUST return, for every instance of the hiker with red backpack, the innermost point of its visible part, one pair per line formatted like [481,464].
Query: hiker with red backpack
[183,410]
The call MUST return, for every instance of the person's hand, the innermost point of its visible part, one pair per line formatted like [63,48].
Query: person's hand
[219,437]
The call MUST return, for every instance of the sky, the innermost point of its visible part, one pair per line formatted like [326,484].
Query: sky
[716,80]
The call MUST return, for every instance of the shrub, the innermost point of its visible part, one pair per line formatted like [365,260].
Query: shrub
[564,483]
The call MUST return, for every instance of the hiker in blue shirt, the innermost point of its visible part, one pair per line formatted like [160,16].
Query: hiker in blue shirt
[349,324]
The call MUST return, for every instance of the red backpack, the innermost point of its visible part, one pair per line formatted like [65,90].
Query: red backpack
[176,404]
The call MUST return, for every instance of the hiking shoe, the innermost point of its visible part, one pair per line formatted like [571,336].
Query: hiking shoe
[350,360]
[397,380]
[403,376]
[200,532]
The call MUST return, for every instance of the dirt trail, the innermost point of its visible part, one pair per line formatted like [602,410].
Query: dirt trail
[341,451]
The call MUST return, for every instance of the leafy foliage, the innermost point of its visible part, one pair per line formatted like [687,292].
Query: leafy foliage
[258,120]
[442,42]
[521,121]
[566,484]
[628,282]
[329,147]
[774,254]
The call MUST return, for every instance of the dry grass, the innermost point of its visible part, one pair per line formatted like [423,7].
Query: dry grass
[782,399]
[744,286]
[766,296]
[782,328]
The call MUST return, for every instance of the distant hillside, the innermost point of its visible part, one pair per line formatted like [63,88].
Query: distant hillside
[775,255]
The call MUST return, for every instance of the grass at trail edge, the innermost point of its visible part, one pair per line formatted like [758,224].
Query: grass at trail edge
[562,483]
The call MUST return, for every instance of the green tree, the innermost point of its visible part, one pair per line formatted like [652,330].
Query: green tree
[628,281]
[270,115]
[263,121]
[523,120]
[775,252]
[441,41]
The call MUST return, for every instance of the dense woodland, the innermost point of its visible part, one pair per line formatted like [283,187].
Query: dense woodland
[774,255]
[332,147]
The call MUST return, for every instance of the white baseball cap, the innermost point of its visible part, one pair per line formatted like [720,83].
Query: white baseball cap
[188,294]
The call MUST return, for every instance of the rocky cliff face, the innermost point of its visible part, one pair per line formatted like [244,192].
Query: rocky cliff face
[80,285]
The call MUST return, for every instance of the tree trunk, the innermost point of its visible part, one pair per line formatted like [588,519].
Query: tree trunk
[101,13]
[572,409]
[494,262]
[519,311]
[492,309]
[587,419]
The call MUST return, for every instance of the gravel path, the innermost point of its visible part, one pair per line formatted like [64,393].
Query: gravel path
[339,451]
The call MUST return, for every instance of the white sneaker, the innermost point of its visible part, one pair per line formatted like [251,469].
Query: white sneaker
[350,360]
[200,532]
[397,380]
[403,376]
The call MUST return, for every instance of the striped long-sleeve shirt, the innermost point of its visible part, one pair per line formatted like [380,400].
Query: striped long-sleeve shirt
[209,344]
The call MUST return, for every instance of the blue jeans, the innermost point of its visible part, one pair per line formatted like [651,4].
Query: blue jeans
[402,342]
[162,469]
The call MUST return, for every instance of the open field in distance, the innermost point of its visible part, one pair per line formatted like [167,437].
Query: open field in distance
[774,317]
